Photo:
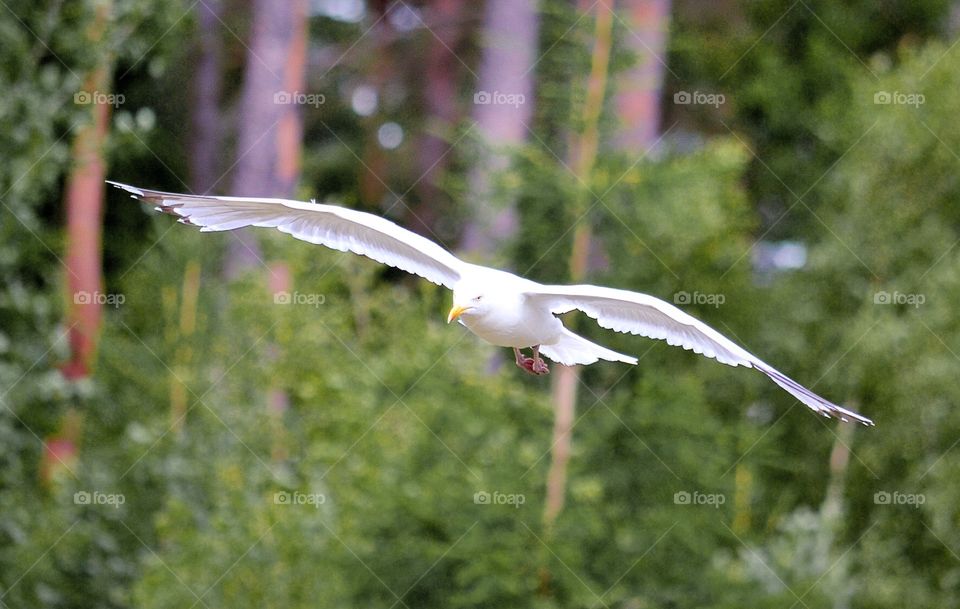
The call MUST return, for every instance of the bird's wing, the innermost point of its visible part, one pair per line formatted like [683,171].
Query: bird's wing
[335,227]
[635,313]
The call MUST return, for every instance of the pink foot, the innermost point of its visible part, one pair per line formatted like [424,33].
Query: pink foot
[526,364]
[531,365]
[540,367]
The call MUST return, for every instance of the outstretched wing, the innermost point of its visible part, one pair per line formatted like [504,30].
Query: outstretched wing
[636,313]
[335,227]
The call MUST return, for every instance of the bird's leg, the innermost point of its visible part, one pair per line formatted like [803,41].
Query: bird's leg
[518,356]
[523,362]
[539,366]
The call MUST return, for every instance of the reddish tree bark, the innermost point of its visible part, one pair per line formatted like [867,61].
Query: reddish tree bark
[639,89]
[270,127]
[84,208]
[60,456]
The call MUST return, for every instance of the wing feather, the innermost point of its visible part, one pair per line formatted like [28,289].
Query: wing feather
[644,315]
[335,227]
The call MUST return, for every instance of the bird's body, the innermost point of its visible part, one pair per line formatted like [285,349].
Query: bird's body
[509,319]
[501,308]
[516,324]
[508,314]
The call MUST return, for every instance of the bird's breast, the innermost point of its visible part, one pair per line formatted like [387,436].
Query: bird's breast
[515,327]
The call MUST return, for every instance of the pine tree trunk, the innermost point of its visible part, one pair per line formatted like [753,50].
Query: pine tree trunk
[206,143]
[440,100]
[583,156]
[269,146]
[270,127]
[84,209]
[510,42]
[637,106]
[639,89]
[374,172]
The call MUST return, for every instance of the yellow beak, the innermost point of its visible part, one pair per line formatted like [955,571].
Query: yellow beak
[456,312]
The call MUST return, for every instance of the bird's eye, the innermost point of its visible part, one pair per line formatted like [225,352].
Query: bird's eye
[477,298]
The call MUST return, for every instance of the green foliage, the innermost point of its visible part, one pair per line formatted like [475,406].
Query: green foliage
[53,551]
[786,70]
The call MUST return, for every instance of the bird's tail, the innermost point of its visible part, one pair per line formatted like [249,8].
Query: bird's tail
[571,349]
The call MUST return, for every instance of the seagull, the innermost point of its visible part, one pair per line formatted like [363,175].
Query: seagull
[501,308]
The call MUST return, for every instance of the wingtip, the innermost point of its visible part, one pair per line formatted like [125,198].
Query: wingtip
[848,416]
[815,402]
[845,416]
[131,189]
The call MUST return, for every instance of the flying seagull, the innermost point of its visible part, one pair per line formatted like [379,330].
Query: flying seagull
[499,307]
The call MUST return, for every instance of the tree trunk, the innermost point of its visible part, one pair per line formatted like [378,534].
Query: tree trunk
[205,136]
[270,127]
[84,207]
[639,89]
[637,105]
[440,98]
[269,145]
[84,256]
[374,170]
[510,42]
[583,155]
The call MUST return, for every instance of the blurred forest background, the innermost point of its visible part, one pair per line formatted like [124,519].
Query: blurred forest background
[245,420]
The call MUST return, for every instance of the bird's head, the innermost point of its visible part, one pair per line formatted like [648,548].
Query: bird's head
[468,302]
[485,293]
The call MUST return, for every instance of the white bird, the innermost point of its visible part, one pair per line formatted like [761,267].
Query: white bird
[499,307]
